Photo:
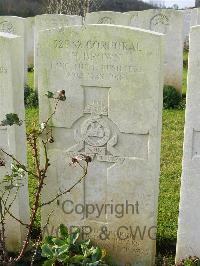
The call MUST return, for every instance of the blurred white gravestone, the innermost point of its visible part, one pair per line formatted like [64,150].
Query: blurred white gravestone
[194,17]
[15,25]
[189,216]
[187,15]
[51,21]
[113,79]
[107,17]
[13,139]
[169,22]
[30,31]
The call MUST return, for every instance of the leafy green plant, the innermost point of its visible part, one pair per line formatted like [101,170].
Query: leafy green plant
[30,97]
[11,119]
[68,250]
[171,97]
[191,261]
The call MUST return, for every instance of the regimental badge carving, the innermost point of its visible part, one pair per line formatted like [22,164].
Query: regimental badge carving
[95,131]
[106,20]
[95,136]
[159,23]
[6,26]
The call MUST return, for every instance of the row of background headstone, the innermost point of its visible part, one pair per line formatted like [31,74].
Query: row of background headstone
[175,24]
[13,139]
[191,152]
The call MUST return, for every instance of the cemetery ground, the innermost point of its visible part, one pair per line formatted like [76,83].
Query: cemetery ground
[170,177]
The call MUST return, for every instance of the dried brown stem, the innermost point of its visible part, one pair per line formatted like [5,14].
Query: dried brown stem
[39,239]
[41,177]
[15,218]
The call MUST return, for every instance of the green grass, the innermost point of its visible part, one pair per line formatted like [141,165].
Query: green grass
[32,117]
[171,159]
[30,79]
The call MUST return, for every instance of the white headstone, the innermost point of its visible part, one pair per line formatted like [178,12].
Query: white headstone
[15,25]
[189,215]
[187,15]
[13,139]
[194,14]
[30,31]
[113,79]
[169,22]
[107,17]
[51,21]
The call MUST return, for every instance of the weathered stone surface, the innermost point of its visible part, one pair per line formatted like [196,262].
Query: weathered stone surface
[108,17]
[12,139]
[194,17]
[15,25]
[51,21]
[187,16]
[30,32]
[189,216]
[112,76]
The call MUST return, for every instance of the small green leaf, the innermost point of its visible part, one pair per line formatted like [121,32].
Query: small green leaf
[63,258]
[48,240]
[63,231]
[74,236]
[47,251]
[49,94]
[77,258]
[49,262]
[7,178]
[58,242]
[11,186]
[11,119]
[97,254]
[63,249]
[94,263]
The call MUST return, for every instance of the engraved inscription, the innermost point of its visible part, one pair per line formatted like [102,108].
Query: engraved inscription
[94,71]
[106,20]
[159,23]
[98,45]
[107,54]
[6,26]
[3,69]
